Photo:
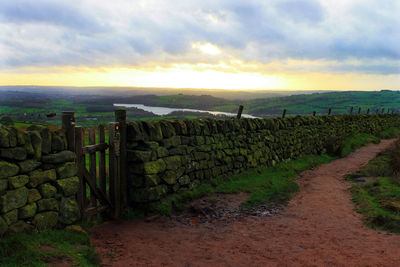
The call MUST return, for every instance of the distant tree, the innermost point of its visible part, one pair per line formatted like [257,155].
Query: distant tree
[7,121]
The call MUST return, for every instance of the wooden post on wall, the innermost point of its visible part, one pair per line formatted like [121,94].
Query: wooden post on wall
[351,110]
[283,113]
[383,110]
[68,125]
[313,113]
[367,111]
[239,114]
[329,111]
[80,161]
[120,117]
[114,168]
[359,110]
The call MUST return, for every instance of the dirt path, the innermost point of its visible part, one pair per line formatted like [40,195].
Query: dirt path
[318,228]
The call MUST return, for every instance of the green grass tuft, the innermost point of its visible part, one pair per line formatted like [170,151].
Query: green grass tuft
[39,249]
[357,141]
[272,186]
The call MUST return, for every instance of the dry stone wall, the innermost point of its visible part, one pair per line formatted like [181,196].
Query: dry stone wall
[38,180]
[165,157]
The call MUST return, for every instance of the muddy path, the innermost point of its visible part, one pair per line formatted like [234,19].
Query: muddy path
[319,227]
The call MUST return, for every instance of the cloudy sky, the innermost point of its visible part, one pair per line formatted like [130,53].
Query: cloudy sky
[232,44]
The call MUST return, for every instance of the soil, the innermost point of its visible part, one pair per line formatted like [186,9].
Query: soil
[319,227]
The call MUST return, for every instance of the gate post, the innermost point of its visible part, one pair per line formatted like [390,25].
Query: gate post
[120,117]
[115,168]
[80,161]
[68,125]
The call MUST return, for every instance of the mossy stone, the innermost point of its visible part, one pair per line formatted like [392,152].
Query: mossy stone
[3,226]
[149,194]
[4,137]
[45,220]
[169,177]
[18,181]
[11,217]
[151,180]
[69,186]
[20,227]
[28,165]
[36,142]
[173,141]
[139,155]
[173,162]
[39,177]
[59,157]
[8,169]
[3,185]
[17,153]
[28,144]
[162,152]
[153,129]
[184,180]
[57,142]
[27,211]
[153,167]
[33,195]
[45,134]
[13,199]
[67,170]
[48,204]
[69,211]
[47,190]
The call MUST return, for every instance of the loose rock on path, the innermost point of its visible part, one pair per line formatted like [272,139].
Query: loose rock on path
[319,227]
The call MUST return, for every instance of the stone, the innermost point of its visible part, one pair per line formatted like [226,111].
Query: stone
[13,199]
[135,180]
[39,177]
[47,190]
[173,141]
[45,135]
[149,194]
[67,170]
[57,142]
[8,169]
[169,177]
[18,181]
[28,165]
[153,167]
[151,179]
[20,227]
[69,211]
[46,204]
[4,137]
[33,195]
[173,162]
[75,228]
[11,217]
[3,226]
[153,130]
[36,142]
[162,152]
[17,153]
[138,155]
[28,144]
[59,157]
[27,211]
[184,180]
[45,220]
[3,185]
[69,186]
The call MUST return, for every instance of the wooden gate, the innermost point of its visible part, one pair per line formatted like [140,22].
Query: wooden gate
[101,165]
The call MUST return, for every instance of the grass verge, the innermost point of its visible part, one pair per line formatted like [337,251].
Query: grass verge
[272,186]
[51,247]
[357,141]
[379,200]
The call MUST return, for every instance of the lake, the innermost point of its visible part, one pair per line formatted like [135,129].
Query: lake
[165,111]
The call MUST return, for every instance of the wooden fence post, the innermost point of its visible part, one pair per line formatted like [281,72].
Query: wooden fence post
[239,114]
[367,111]
[359,110]
[351,110]
[383,110]
[80,161]
[377,111]
[120,117]
[313,113]
[68,124]
[329,111]
[114,168]
[283,113]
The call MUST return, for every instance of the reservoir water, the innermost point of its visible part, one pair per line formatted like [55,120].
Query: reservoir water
[165,111]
